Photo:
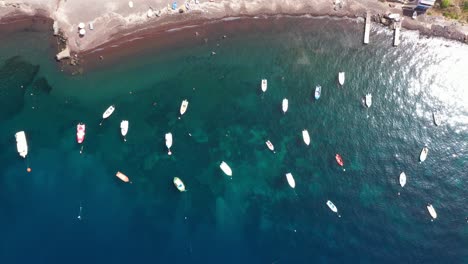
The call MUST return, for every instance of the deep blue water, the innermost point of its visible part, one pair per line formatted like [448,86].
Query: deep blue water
[255,217]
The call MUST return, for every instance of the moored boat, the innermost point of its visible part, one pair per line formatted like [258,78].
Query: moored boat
[403,179]
[432,211]
[318,92]
[339,160]
[124,129]
[168,137]
[423,155]
[332,206]
[80,133]
[285,105]
[21,144]
[264,85]
[290,179]
[270,145]
[122,176]
[306,137]
[183,107]
[341,78]
[225,168]
[368,100]
[179,184]
[436,119]
[107,113]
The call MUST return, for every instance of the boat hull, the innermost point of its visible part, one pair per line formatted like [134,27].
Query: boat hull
[341,78]
[179,184]
[124,127]
[432,211]
[402,179]
[225,168]
[264,85]
[80,133]
[423,155]
[108,112]
[183,107]
[339,160]
[306,137]
[332,206]
[122,176]
[291,180]
[168,138]
[21,144]
[318,92]
[285,105]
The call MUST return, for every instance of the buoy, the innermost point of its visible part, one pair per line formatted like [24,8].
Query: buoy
[28,169]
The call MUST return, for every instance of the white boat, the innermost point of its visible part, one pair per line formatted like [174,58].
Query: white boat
[290,179]
[21,144]
[226,169]
[264,85]
[124,128]
[270,145]
[423,155]
[436,119]
[108,112]
[169,143]
[285,105]
[183,107]
[332,206]
[306,137]
[318,92]
[179,184]
[415,15]
[341,78]
[403,179]
[368,100]
[432,211]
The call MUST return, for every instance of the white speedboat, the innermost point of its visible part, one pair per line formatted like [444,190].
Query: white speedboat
[285,105]
[318,92]
[124,128]
[169,143]
[270,145]
[264,85]
[290,179]
[179,184]
[403,179]
[332,206]
[183,107]
[368,100]
[21,144]
[306,137]
[341,78]
[226,169]
[423,155]
[432,211]
[107,113]
[80,133]
[436,119]
[122,177]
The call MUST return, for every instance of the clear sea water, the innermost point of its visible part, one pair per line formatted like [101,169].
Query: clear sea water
[255,217]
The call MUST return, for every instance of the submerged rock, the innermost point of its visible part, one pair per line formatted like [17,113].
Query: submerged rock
[41,85]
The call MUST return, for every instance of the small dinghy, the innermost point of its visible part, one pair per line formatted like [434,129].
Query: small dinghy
[264,85]
[403,179]
[290,179]
[80,133]
[270,145]
[122,176]
[432,211]
[107,113]
[423,155]
[436,119]
[332,206]
[341,78]
[285,105]
[21,144]
[318,91]
[368,100]
[339,160]
[124,129]
[306,137]
[183,107]
[169,143]
[179,184]
[226,169]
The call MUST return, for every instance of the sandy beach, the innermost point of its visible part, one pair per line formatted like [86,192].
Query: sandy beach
[110,21]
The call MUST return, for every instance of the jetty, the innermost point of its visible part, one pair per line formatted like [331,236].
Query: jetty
[396,36]
[367,28]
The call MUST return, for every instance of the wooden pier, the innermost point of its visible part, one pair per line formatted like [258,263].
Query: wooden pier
[367,28]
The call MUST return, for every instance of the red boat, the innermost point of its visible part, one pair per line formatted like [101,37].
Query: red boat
[80,132]
[339,160]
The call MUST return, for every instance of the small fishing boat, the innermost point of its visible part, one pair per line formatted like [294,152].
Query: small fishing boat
[124,128]
[285,105]
[432,211]
[332,206]
[226,169]
[169,143]
[339,160]
[122,176]
[270,145]
[318,91]
[403,179]
[21,144]
[368,100]
[306,137]
[80,133]
[179,184]
[341,78]
[290,179]
[107,113]
[264,85]
[436,119]
[183,107]
[423,155]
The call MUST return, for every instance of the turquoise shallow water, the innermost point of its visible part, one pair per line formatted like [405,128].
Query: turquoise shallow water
[254,216]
